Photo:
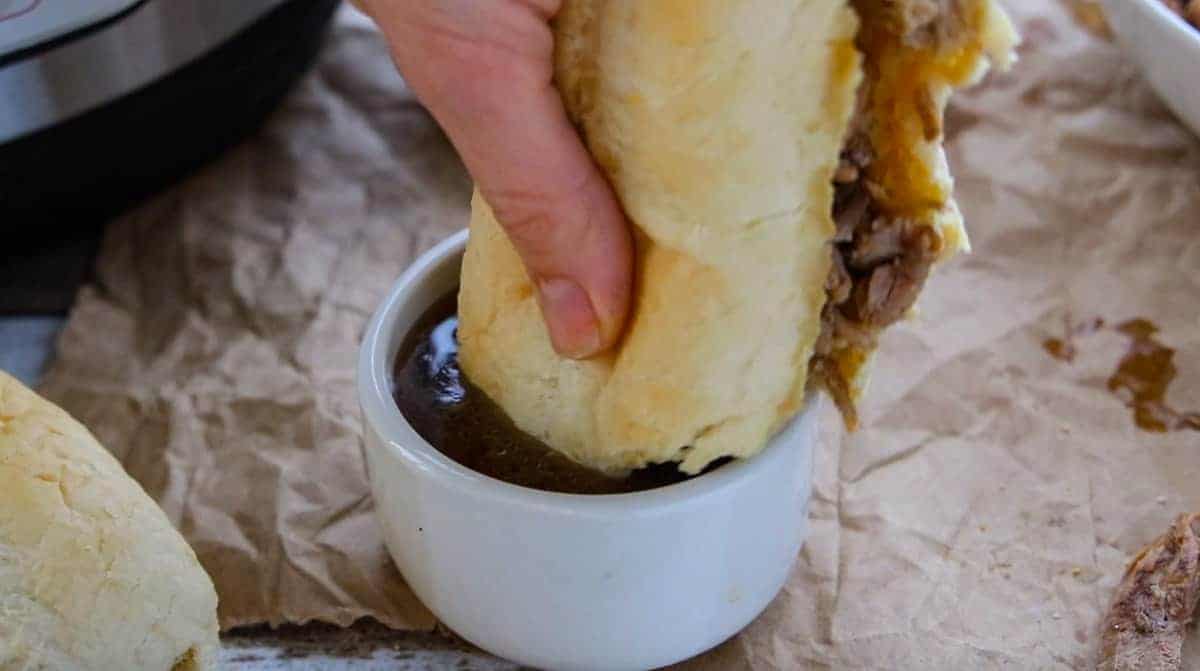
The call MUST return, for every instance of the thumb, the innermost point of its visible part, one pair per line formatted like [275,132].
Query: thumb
[565,222]
[492,90]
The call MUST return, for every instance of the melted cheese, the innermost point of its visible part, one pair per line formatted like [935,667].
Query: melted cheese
[907,85]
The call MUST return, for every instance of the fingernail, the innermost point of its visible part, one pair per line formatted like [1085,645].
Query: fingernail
[574,328]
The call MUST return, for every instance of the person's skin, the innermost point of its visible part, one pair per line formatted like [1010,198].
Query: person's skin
[484,69]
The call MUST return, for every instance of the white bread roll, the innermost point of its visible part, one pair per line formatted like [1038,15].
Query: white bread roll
[719,124]
[93,577]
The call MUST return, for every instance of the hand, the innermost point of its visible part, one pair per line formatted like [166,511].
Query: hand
[484,69]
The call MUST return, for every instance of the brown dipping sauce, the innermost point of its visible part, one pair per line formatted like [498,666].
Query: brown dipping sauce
[1142,377]
[461,422]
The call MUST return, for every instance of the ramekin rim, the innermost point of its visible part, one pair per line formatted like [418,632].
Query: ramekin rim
[382,415]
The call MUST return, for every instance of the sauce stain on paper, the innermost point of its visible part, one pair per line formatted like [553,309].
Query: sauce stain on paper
[1060,349]
[1142,379]
[1143,375]
[1063,348]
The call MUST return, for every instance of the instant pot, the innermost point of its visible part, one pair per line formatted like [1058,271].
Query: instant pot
[104,101]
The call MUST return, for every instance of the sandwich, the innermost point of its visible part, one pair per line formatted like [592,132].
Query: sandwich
[781,164]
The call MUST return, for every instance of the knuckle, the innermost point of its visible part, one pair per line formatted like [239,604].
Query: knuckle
[526,218]
[467,82]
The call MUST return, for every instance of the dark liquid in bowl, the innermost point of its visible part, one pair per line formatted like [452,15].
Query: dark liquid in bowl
[464,424]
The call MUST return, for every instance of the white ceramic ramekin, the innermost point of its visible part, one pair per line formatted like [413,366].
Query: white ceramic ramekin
[1166,49]
[560,581]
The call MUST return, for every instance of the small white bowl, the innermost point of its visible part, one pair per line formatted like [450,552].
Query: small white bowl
[561,581]
[1165,47]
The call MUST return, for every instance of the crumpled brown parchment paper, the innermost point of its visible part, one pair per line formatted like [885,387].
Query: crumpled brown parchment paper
[980,518]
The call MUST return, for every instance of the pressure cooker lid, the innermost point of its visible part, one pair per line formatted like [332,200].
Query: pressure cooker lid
[26,24]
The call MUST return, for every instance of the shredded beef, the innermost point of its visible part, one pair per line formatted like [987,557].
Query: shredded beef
[1153,608]
[839,284]
[880,263]
[919,23]
[881,241]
